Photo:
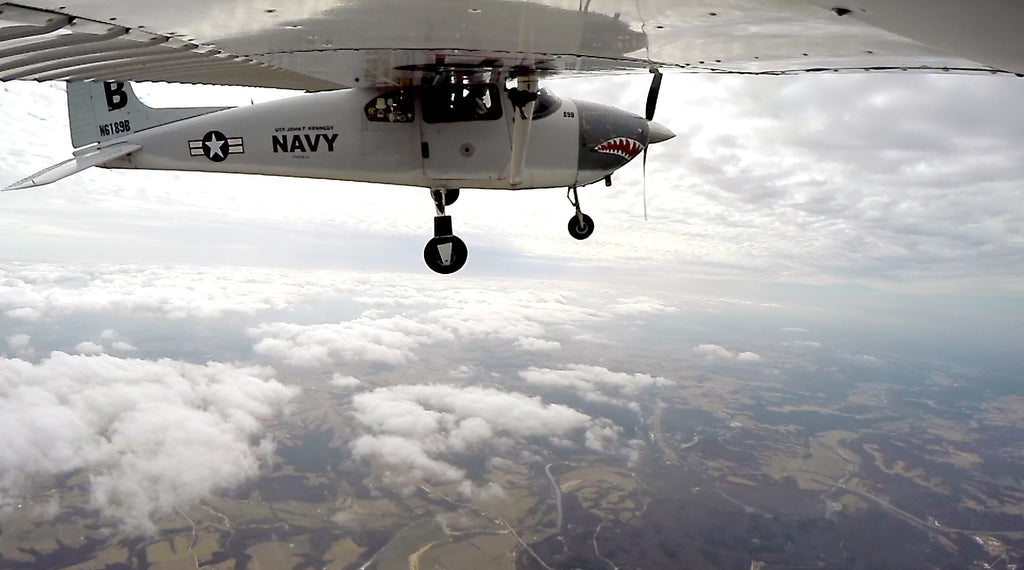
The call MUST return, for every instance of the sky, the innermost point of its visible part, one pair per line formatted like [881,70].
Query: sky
[867,215]
[905,183]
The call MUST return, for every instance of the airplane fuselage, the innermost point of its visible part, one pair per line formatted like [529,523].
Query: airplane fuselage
[343,135]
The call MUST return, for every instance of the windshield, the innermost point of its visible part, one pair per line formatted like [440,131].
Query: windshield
[547,103]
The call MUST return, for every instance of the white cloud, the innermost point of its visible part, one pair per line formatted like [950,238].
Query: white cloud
[592,382]
[108,334]
[491,310]
[390,340]
[748,357]
[713,351]
[20,345]
[32,292]
[344,382]
[538,344]
[151,435]
[403,461]
[641,306]
[413,431]
[487,492]
[507,311]
[89,347]
[462,371]
[716,352]
[603,436]
[18,341]
[122,346]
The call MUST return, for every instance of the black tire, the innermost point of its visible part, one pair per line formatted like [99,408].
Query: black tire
[450,195]
[581,230]
[432,254]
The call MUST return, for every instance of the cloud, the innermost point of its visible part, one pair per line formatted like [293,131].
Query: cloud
[641,306]
[476,310]
[18,341]
[344,382]
[150,435]
[122,346]
[507,311]
[884,178]
[20,345]
[89,347]
[716,352]
[591,382]
[413,433]
[530,343]
[32,292]
[390,340]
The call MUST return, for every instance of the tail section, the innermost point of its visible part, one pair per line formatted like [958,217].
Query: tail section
[108,114]
[84,159]
[100,112]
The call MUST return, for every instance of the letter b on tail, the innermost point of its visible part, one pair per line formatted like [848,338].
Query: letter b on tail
[116,96]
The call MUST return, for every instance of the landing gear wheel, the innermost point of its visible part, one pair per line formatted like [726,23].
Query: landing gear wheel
[445,254]
[581,229]
[450,196]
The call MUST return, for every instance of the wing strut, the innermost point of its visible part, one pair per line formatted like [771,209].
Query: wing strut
[523,98]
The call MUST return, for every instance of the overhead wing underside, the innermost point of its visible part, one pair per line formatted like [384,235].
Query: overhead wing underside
[328,44]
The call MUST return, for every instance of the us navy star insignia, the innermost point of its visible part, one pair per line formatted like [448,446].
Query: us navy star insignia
[215,146]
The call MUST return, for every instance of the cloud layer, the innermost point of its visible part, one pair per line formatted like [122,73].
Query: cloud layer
[150,435]
[414,433]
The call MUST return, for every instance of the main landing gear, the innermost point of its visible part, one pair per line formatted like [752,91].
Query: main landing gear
[445,253]
[580,225]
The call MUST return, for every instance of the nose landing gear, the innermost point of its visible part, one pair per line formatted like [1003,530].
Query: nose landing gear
[445,253]
[580,225]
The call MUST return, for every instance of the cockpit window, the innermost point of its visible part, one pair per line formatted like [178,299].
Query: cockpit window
[547,103]
[465,102]
[391,107]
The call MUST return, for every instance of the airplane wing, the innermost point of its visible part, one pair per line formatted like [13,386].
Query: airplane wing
[328,44]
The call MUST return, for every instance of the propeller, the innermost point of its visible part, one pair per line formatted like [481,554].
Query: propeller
[652,94]
[652,105]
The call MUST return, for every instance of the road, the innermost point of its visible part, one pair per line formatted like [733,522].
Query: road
[558,496]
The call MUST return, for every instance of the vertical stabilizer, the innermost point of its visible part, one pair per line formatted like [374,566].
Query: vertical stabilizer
[100,112]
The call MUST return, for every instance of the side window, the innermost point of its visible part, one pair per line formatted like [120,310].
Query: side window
[455,103]
[391,107]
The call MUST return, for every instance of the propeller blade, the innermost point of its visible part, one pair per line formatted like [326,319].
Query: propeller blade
[652,95]
[645,184]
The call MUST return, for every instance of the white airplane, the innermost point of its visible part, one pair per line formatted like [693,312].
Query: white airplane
[444,94]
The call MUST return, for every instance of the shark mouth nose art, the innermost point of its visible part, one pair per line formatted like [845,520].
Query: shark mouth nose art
[621,146]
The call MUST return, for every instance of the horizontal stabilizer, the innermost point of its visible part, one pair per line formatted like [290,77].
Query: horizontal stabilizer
[77,164]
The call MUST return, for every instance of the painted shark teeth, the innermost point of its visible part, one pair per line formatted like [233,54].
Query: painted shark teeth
[621,146]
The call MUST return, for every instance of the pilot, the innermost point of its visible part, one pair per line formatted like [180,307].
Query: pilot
[474,103]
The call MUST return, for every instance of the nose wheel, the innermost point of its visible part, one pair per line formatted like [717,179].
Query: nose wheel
[445,253]
[580,225]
